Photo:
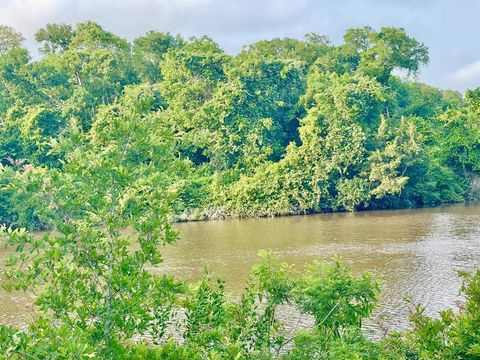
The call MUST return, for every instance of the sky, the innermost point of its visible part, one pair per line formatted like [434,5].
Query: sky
[450,28]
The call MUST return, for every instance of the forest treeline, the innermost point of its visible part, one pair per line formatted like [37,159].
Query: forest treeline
[286,126]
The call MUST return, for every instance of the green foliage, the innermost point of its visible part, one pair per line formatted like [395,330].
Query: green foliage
[335,298]
[54,38]
[307,51]
[100,135]
[449,336]
[9,39]
[382,52]
[90,277]
[72,318]
[20,187]
[460,134]
[149,51]
[98,65]
[314,345]
[287,126]
[7,214]
[250,328]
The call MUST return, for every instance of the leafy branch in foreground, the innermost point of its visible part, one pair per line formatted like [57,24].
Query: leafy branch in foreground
[94,289]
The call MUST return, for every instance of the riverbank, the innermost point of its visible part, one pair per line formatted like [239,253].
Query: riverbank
[215,214]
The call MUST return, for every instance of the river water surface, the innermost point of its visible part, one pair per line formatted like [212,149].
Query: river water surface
[416,253]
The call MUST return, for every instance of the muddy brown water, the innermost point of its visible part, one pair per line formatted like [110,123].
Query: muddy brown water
[416,252]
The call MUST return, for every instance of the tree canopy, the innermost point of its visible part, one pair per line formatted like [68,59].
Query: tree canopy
[286,126]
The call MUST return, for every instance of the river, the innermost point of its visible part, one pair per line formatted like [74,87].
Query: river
[415,252]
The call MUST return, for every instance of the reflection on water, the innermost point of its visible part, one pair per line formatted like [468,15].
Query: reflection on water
[416,252]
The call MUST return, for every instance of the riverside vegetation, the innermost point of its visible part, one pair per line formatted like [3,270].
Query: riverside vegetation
[99,135]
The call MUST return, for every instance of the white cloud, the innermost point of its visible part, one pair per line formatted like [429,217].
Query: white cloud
[27,14]
[194,15]
[468,75]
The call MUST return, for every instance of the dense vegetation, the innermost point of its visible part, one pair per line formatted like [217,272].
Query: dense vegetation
[285,127]
[99,136]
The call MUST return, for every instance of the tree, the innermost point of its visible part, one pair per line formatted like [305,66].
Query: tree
[149,51]
[95,291]
[9,39]
[460,135]
[379,53]
[190,77]
[99,66]
[390,49]
[307,51]
[54,38]
[13,85]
